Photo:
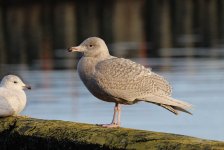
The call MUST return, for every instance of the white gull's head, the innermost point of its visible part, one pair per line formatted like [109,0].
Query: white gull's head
[92,47]
[14,82]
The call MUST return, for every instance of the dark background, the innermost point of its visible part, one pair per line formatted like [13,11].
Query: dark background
[38,31]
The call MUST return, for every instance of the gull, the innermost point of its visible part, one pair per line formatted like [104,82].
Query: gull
[12,96]
[122,81]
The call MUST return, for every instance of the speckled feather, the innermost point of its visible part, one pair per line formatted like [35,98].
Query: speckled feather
[119,76]
[121,80]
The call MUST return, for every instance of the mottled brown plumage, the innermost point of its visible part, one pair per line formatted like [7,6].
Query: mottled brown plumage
[122,81]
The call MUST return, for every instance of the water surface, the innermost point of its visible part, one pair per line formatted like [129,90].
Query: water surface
[59,94]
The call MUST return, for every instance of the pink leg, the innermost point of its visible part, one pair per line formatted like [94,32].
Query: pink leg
[114,116]
[115,123]
[119,115]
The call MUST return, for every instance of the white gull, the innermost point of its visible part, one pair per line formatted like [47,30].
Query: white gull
[12,96]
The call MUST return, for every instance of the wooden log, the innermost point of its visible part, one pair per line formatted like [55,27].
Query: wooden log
[34,134]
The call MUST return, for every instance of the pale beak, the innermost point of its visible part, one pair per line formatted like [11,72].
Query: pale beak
[27,87]
[75,49]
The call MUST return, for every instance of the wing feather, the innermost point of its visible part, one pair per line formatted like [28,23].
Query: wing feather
[128,80]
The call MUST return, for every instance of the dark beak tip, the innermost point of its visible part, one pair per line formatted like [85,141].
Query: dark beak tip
[28,87]
[69,50]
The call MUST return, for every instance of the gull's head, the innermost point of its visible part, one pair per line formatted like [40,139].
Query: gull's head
[91,47]
[14,82]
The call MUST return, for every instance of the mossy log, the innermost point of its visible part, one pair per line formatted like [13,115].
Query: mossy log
[22,133]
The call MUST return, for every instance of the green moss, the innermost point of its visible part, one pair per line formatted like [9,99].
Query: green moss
[30,133]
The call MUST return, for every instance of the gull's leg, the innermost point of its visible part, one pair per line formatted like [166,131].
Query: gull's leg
[118,114]
[114,123]
[114,116]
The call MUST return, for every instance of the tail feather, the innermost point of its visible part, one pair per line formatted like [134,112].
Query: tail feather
[169,103]
[170,108]
[183,110]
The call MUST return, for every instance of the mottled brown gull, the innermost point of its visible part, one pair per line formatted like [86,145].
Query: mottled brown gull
[12,96]
[122,81]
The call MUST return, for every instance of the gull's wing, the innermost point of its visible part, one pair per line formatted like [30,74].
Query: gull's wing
[6,100]
[123,78]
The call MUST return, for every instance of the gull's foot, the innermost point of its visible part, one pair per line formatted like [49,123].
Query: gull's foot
[112,125]
[21,116]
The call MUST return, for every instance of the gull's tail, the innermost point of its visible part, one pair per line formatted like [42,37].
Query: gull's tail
[169,103]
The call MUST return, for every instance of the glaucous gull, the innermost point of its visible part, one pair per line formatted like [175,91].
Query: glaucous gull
[122,81]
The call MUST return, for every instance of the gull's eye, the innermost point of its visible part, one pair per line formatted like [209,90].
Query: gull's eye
[15,82]
[91,45]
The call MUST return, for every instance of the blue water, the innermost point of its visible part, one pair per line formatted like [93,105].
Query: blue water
[59,94]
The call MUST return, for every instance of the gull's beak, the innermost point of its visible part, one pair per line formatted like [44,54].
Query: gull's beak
[75,49]
[27,87]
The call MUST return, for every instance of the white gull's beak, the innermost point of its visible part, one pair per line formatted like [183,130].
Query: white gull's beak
[27,87]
